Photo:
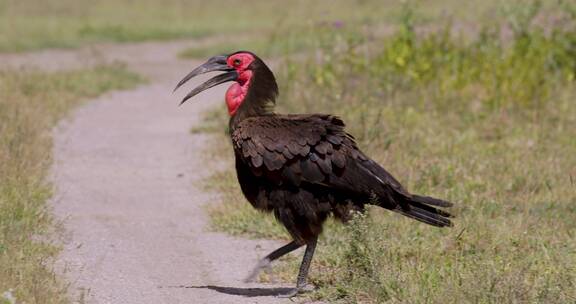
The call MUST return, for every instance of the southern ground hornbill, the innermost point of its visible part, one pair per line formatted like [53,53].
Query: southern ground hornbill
[301,167]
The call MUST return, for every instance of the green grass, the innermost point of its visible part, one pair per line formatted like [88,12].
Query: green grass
[37,24]
[265,46]
[34,24]
[482,121]
[370,21]
[31,103]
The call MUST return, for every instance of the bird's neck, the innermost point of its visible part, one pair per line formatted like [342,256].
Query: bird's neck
[254,95]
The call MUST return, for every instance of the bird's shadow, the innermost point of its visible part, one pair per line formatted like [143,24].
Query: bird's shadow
[237,291]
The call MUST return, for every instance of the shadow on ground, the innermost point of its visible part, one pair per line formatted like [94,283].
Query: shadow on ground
[245,292]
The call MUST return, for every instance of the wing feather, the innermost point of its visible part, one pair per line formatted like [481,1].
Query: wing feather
[313,149]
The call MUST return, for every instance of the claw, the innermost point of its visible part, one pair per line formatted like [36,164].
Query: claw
[296,291]
[290,294]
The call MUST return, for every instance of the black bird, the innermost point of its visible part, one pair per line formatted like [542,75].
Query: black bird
[302,168]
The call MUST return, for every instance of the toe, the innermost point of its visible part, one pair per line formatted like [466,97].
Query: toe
[290,293]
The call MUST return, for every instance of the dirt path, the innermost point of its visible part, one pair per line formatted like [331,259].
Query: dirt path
[127,173]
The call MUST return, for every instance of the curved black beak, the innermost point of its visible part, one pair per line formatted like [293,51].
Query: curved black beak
[216,63]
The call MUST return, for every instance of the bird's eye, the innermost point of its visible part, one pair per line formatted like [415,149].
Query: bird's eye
[237,62]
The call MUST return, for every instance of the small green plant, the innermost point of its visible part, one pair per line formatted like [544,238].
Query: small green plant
[360,266]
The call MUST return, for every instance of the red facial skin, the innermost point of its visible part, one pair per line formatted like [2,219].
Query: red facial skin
[237,92]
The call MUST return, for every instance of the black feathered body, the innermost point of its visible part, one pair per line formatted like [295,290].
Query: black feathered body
[304,168]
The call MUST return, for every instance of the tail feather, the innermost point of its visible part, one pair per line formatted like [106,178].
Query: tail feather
[431,201]
[418,210]
[394,197]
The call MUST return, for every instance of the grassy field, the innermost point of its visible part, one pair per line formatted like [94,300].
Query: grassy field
[452,103]
[485,121]
[30,105]
[310,26]
[36,24]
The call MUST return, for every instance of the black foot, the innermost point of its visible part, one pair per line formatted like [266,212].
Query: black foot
[296,291]
[290,293]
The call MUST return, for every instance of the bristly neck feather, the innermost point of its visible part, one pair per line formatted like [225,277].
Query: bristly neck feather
[260,97]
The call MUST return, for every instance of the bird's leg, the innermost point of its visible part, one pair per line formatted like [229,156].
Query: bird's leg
[304,267]
[265,262]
